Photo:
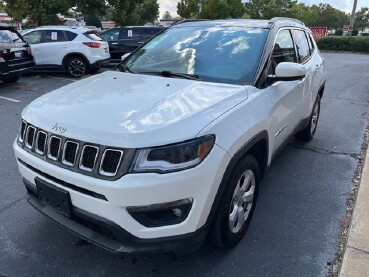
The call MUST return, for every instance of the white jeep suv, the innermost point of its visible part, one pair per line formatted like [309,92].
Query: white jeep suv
[76,50]
[172,147]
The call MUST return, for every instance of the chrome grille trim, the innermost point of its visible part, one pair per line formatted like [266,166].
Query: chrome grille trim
[109,174]
[21,133]
[64,161]
[51,157]
[29,128]
[38,151]
[81,166]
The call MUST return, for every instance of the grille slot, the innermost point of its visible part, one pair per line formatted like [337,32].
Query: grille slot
[30,137]
[41,142]
[88,158]
[70,153]
[22,131]
[110,162]
[54,148]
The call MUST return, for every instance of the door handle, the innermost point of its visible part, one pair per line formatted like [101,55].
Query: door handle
[301,82]
[140,42]
[114,43]
[36,49]
[317,66]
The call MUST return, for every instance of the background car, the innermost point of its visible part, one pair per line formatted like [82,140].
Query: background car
[76,50]
[15,55]
[124,40]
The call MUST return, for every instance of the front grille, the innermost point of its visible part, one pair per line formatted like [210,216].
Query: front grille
[54,148]
[83,157]
[89,155]
[110,162]
[70,153]
[30,137]
[41,142]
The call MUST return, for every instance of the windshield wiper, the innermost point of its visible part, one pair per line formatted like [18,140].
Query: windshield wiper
[124,68]
[171,74]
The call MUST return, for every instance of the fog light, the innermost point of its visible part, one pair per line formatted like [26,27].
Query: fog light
[161,214]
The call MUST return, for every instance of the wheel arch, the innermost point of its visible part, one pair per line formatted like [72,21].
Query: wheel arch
[76,54]
[258,146]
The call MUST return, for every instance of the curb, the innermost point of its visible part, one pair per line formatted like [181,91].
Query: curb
[356,257]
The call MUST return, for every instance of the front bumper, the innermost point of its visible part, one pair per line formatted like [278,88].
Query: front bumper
[199,183]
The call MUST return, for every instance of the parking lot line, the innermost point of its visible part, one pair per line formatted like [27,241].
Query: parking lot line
[9,99]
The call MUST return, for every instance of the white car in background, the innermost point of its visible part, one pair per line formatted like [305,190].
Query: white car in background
[74,49]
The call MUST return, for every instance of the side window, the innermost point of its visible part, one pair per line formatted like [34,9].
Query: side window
[71,36]
[130,33]
[55,36]
[302,45]
[112,34]
[311,42]
[33,37]
[283,51]
[149,32]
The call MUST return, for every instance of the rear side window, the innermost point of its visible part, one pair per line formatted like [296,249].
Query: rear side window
[112,34]
[33,37]
[7,36]
[55,36]
[130,33]
[283,51]
[71,36]
[93,35]
[311,43]
[302,45]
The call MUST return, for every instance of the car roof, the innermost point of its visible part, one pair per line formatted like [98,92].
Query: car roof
[248,23]
[58,27]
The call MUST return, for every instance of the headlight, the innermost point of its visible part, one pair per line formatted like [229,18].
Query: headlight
[173,157]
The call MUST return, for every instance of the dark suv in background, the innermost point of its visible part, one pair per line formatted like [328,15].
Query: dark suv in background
[15,55]
[124,40]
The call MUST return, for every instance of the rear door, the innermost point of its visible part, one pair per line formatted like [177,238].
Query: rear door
[112,37]
[54,47]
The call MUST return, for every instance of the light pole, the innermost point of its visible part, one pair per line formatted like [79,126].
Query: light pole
[352,20]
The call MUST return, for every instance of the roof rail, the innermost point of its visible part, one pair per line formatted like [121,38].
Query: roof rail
[188,20]
[274,19]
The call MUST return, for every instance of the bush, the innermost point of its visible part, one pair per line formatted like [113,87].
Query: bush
[338,32]
[344,43]
[355,33]
[93,20]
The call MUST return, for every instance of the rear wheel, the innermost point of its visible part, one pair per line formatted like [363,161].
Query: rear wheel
[238,203]
[10,79]
[308,132]
[76,67]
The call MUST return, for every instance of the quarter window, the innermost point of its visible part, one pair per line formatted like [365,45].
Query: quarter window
[302,45]
[283,51]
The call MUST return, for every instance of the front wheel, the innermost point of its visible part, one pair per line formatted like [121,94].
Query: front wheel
[11,79]
[238,203]
[308,132]
[76,67]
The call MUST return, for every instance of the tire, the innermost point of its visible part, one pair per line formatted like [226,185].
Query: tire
[308,132]
[11,79]
[234,215]
[76,67]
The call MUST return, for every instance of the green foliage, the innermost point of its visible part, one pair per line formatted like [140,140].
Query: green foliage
[355,33]
[93,20]
[338,32]
[97,7]
[327,16]
[267,9]
[211,9]
[167,15]
[148,12]
[362,19]
[344,43]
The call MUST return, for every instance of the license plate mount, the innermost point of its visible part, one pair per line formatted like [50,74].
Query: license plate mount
[54,197]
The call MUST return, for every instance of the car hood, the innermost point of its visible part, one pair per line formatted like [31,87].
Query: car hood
[133,110]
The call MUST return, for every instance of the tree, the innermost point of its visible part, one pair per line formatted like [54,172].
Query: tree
[267,9]
[90,7]
[327,16]
[93,20]
[167,15]
[211,9]
[362,19]
[149,11]
[38,12]
[304,13]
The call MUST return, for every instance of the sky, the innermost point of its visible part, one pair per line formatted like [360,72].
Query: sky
[345,5]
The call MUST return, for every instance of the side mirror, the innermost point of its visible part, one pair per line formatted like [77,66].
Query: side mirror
[288,72]
[125,56]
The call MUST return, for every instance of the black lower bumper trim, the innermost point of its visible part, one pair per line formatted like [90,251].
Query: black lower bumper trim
[112,237]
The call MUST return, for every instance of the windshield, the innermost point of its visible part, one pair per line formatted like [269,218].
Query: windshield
[217,54]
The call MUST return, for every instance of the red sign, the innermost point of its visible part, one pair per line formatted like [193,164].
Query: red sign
[319,32]
[346,28]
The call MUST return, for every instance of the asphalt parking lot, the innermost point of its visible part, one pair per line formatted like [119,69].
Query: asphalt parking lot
[296,224]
